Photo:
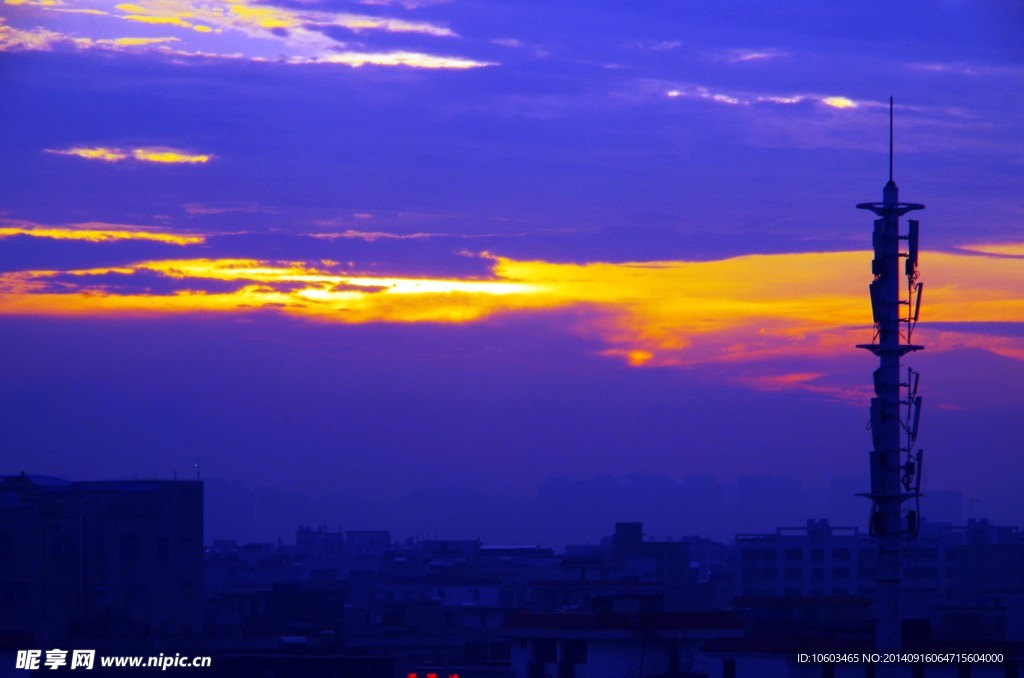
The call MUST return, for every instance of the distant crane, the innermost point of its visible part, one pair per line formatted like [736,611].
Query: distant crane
[896,407]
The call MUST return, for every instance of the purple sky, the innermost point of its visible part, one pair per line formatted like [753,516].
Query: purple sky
[379,248]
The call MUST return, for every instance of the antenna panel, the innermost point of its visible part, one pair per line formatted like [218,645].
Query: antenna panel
[917,417]
[912,245]
[877,303]
[877,436]
[917,301]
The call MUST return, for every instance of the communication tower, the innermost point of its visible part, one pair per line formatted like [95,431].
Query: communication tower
[896,406]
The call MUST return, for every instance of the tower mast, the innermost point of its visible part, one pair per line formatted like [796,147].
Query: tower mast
[896,407]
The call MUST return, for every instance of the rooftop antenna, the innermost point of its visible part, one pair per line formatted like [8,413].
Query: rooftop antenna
[895,461]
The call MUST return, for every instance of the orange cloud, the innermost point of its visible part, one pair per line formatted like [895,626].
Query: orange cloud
[739,311]
[293,288]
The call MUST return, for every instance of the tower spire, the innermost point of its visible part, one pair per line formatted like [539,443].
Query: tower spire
[890,139]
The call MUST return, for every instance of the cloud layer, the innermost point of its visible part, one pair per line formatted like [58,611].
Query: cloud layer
[239,29]
[752,310]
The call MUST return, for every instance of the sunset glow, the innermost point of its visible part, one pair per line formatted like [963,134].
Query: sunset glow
[662,313]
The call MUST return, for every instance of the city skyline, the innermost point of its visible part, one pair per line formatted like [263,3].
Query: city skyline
[375,248]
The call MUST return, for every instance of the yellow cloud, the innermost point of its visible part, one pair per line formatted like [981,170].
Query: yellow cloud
[94,153]
[243,15]
[168,155]
[161,12]
[93,232]
[162,20]
[264,17]
[293,288]
[839,102]
[150,19]
[259,20]
[149,154]
[238,29]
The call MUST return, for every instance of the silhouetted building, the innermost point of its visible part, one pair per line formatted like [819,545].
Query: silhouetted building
[816,560]
[109,559]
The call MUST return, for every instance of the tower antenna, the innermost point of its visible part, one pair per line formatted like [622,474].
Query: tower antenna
[890,138]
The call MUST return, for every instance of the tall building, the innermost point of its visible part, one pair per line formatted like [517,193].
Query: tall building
[106,559]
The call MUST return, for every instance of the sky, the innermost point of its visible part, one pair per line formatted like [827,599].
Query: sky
[382,249]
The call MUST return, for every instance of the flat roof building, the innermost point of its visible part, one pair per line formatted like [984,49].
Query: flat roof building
[100,559]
